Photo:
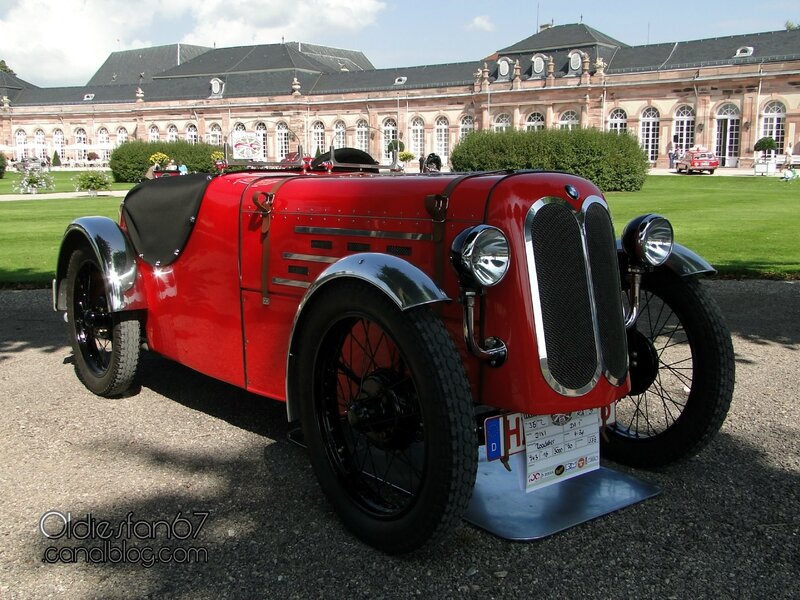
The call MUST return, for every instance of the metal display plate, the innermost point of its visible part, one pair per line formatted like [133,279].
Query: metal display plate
[500,507]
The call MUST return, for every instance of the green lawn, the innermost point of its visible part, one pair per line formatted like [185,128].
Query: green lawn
[64,182]
[31,231]
[745,226]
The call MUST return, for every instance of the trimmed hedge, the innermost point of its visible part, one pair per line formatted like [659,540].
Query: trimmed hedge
[2,166]
[129,162]
[614,162]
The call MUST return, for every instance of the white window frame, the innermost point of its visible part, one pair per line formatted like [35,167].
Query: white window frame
[535,121]
[618,121]
[649,132]
[442,134]
[502,122]
[417,136]
[362,135]
[281,140]
[466,126]
[388,135]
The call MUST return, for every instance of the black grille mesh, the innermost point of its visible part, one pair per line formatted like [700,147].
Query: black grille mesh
[564,296]
[606,286]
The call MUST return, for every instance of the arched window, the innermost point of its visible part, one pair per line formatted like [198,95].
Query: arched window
[442,130]
[502,122]
[21,139]
[649,132]
[239,127]
[466,126]
[773,124]
[104,143]
[153,134]
[339,138]
[281,140]
[318,138]
[534,122]
[618,121]
[728,134]
[569,120]
[58,143]
[389,132]
[417,136]
[362,135]
[172,133]
[261,133]
[191,134]
[122,136]
[81,139]
[684,127]
[215,134]
[38,140]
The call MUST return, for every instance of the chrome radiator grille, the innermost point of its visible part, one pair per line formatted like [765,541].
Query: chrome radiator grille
[576,294]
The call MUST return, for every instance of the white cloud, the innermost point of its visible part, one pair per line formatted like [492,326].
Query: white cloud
[234,23]
[481,23]
[64,43]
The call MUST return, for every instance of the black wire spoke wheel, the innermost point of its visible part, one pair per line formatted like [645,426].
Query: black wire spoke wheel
[105,344]
[387,416]
[682,375]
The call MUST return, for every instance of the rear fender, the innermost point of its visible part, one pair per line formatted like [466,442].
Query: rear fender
[116,256]
[406,285]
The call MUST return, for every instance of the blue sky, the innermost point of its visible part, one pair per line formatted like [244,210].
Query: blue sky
[63,43]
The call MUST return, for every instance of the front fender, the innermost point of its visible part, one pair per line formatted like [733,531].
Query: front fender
[116,256]
[406,285]
[683,261]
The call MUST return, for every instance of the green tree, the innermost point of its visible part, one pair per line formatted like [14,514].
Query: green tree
[790,25]
[5,68]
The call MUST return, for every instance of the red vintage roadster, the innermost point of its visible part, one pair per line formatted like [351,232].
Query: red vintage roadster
[396,315]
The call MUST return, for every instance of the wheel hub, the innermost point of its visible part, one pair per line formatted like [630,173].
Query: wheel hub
[643,362]
[381,411]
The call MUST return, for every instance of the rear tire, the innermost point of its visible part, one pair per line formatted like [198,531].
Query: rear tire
[682,375]
[387,415]
[105,344]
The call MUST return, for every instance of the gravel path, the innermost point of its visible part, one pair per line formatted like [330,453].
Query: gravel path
[725,526]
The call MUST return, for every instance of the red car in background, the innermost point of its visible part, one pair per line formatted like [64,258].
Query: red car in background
[697,159]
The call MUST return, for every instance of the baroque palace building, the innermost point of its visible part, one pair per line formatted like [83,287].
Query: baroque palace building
[722,93]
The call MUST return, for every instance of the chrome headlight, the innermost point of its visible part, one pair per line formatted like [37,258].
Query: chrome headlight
[648,240]
[480,256]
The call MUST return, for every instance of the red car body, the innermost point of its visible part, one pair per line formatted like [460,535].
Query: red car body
[392,313]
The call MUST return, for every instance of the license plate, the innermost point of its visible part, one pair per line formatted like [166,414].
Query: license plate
[505,435]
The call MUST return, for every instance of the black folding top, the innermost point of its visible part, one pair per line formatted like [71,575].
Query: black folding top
[160,215]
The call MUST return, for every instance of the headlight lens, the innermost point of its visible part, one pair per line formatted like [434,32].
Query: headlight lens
[481,256]
[648,239]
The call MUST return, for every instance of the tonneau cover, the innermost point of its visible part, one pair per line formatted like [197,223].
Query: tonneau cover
[160,215]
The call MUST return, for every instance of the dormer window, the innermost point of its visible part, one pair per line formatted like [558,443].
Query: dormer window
[575,60]
[217,86]
[504,69]
[87,97]
[539,62]
[400,80]
[744,51]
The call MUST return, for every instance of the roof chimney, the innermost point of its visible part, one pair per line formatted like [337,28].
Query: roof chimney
[544,26]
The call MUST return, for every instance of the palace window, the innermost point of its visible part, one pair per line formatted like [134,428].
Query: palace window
[649,132]
[618,121]
[502,122]
[466,127]
[684,126]
[534,122]
[569,120]
[773,124]
[362,135]
[442,130]
[417,136]
[339,138]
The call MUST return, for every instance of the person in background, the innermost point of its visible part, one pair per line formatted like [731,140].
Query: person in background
[171,166]
[787,161]
[183,169]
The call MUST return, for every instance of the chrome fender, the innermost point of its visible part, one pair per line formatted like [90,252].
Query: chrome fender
[682,261]
[403,283]
[116,256]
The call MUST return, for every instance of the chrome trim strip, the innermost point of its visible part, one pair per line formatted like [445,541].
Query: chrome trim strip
[595,323]
[363,233]
[537,306]
[309,257]
[291,282]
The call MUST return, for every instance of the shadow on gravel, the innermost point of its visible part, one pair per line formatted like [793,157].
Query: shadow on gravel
[725,517]
[29,322]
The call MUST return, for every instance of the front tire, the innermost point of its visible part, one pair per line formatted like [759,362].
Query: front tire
[105,344]
[387,416]
[682,375]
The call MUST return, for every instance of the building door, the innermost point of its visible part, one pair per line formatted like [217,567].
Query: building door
[727,146]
